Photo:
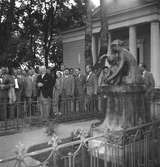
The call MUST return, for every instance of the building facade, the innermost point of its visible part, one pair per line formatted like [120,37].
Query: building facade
[137,22]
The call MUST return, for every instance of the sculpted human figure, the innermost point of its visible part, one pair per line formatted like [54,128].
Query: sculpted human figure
[123,66]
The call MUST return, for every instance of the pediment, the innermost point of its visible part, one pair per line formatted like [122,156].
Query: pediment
[117,6]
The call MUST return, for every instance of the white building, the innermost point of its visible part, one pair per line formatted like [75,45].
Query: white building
[137,22]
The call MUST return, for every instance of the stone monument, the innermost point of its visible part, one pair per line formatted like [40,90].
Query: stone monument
[122,97]
[122,101]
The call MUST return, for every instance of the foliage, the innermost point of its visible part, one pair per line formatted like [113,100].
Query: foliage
[31,30]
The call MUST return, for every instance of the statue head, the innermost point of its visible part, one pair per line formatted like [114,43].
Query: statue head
[116,45]
[112,59]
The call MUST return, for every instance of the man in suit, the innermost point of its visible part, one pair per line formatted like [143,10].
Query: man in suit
[19,88]
[68,91]
[79,91]
[44,92]
[34,76]
[79,83]
[91,89]
[34,86]
[4,87]
[68,84]
[148,79]
[28,90]
[91,81]
[149,83]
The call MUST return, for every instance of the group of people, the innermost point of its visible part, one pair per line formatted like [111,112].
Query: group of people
[48,87]
[69,84]
[17,86]
[45,87]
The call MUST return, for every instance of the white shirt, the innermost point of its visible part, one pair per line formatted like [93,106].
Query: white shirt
[16,83]
[89,75]
[144,72]
[43,75]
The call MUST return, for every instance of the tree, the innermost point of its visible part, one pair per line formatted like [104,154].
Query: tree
[104,29]
[104,38]
[88,34]
[30,30]
[6,26]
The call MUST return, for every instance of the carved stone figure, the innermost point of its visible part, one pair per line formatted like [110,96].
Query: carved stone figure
[123,66]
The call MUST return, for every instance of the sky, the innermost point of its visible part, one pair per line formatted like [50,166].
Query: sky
[96,2]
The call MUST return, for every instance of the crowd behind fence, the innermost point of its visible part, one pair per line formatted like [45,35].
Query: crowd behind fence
[70,109]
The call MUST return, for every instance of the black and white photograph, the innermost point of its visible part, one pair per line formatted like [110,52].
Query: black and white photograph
[79,83]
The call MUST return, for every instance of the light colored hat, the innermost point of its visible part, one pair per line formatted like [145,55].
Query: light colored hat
[59,72]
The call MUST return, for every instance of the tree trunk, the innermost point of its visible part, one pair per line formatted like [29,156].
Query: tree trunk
[10,17]
[104,39]
[9,22]
[88,34]
[48,34]
[104,29]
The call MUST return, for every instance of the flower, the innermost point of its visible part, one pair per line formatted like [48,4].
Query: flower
[54,141]
[20,151]
[81,133]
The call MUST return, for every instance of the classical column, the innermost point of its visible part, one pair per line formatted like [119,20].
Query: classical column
[155,51]
[132,41]
[94,49]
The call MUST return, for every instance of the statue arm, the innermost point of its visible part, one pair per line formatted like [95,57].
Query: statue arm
[120,66]
[103,56]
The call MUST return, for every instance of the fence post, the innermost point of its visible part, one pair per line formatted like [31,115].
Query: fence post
[84,160]
[55,160]
[19,164]
[69,159]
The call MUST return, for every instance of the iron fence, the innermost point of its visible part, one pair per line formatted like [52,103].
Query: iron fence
[20,114]
[134,147]
[23,114]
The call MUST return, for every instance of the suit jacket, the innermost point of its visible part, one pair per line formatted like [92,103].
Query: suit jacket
[6,81]
[79,85]
[34,87]
[47,87]
[148,80]
[20,84]
[68,86]
[91,84]
[28,86]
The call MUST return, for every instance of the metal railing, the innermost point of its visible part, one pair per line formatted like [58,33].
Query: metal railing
[134,147]
[21,114]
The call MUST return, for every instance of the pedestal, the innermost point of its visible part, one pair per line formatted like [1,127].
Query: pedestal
[124,106]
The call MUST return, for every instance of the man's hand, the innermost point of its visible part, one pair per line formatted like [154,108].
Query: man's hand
[40,84]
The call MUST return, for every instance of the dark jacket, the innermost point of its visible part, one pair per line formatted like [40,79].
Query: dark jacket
[79,85]
[68,86]
[47,87]
[149,82]
[6,81]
